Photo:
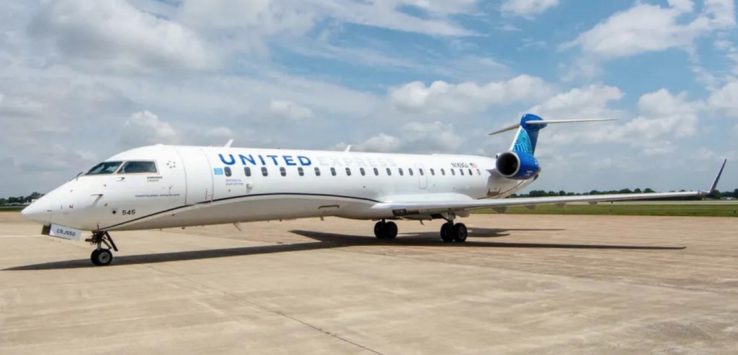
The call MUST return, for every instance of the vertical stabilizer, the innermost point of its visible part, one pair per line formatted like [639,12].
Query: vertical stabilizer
[527,136]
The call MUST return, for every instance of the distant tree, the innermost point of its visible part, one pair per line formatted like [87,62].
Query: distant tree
[637,190]
[648,190]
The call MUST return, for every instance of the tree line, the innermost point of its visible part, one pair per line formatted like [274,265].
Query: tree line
[20,200]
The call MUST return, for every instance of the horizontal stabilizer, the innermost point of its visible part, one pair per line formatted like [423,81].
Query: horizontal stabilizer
[545,122]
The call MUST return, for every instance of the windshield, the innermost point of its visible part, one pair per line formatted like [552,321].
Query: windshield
[106,167]
[138,167]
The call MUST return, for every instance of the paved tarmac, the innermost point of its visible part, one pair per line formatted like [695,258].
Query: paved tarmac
[521,284]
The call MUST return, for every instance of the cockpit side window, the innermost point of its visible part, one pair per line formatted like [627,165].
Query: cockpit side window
[133,167]
[106,167]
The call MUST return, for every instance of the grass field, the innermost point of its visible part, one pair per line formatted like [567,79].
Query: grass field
[640,209]
[11,208]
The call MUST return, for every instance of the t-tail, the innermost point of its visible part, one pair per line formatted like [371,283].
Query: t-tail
[519,162]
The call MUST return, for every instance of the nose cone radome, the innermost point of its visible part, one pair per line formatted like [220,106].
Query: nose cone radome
[38,211]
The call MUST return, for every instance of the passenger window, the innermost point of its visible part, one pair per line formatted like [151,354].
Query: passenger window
[461,171]
[300,171]
[333,171]
[247,171]
[264,171]
[133,167]
[400,171]
[227,171]
[107,167]
[470,172]
[376,172]
[421,172]
[453,172]
[348,171]
[433,172]
[282,171]
[389,172]
[317,171]
[410,171]
[443,171]
[361,170]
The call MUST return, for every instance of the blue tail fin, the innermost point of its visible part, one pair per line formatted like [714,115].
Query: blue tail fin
[527,137]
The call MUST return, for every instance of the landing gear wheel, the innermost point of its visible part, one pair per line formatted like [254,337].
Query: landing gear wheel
[101,257]
[390,230]
[385,230]
[447,232]
[379,229]
[459,233]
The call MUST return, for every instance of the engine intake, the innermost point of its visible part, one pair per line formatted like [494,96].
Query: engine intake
[519,166]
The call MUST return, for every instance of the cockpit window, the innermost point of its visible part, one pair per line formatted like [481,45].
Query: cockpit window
[106,167]
[138,167]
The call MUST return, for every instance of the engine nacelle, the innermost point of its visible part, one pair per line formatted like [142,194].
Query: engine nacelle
[519,166]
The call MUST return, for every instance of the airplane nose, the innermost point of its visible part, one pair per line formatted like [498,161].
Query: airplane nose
[37,211]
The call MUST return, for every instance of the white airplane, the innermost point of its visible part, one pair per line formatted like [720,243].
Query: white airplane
[164,186]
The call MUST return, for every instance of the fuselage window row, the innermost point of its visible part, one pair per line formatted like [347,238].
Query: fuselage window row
[301,171]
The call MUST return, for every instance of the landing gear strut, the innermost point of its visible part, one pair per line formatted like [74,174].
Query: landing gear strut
[102,256]
[385,230]
[451,232]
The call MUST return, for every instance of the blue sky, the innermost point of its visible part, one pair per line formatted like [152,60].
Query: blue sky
[81,80]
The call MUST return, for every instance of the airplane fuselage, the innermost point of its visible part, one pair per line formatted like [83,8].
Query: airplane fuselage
[190,186]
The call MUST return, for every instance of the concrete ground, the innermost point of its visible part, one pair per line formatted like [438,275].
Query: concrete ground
[521,284]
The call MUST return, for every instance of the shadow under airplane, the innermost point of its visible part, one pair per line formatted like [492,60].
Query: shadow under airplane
[332,240]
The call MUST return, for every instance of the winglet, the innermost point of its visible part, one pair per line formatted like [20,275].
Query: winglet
[717,178]
[228,145]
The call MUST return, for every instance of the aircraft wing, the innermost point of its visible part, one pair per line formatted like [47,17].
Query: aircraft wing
[405,208]
[412,208]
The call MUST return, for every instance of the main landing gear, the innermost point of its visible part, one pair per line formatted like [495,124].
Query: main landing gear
[450,232]
[385,230]
[102,256]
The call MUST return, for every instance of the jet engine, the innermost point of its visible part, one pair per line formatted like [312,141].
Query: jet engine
[517,165]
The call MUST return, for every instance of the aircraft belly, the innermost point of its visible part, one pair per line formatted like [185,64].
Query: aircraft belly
[251,209]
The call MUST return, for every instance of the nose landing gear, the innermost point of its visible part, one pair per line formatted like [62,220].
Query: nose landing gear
[102,256]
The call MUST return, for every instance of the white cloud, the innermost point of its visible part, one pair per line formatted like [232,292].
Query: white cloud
[442,97]
[725,100]
[144,128]
[115,33]
[648,28]
[587,102]
[416,137]
[528,8]
[663,117]
[289,110]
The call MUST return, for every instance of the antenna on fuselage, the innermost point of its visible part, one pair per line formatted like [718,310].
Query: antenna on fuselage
[228,145]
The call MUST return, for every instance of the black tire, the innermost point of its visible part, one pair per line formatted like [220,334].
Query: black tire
[93,257]
[459,232]
[379,229]
[390,230]
[101,257]
[447,232]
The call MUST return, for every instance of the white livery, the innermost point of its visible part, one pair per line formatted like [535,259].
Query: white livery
[166,186]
